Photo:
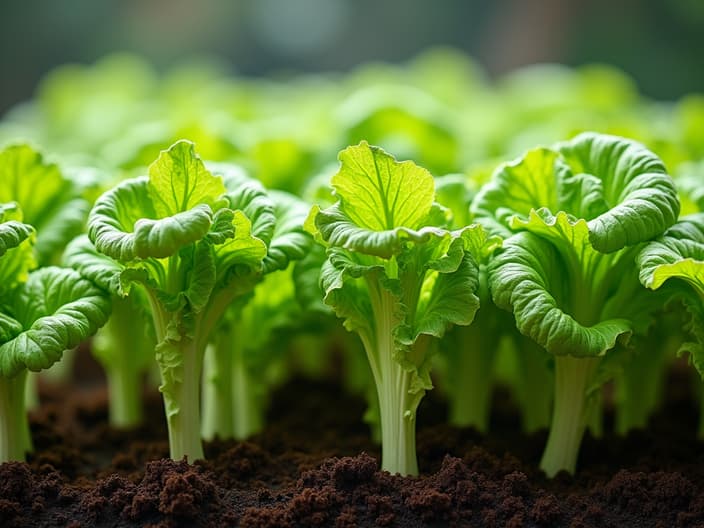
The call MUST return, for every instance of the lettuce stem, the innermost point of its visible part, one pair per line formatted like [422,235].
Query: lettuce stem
[180,360]
[182,402]
[15,440]
[534,386]
[246,408]
[572,378]
[121,350]
[125,394]
[217,390]
[397,405]
[471,367]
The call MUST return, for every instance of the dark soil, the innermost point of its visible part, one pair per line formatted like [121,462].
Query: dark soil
[315,466]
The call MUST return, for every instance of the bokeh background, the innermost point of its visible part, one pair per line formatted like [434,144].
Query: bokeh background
[660,43]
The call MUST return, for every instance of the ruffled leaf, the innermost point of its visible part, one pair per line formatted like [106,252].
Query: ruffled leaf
[9,328]
[616,185]
[378,193]
[677,254]
[57,309]
[529,278]
[642,196]
[346,293]
[124,225]
[250,197]
[241,255]
[82,256]
[446,298]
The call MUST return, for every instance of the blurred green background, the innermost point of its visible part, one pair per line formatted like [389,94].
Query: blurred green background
[660,43]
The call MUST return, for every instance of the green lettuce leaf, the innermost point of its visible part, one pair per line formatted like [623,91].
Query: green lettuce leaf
[16,248]
[50,202]
[679,254]
[179,181]
[617,186]
[57,309]
[289,241]
[528,277]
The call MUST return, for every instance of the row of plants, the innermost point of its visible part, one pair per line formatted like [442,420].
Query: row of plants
[548,272]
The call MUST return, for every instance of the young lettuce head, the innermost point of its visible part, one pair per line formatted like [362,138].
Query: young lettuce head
[183,235]
[398,277]
[42,314]
[575,216]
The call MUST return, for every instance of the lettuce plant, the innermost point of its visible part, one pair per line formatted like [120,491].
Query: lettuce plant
[42,314]
[184,235]
[398,277]
[579,211]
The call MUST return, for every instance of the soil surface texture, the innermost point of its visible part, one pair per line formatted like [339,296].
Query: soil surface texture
[315,465]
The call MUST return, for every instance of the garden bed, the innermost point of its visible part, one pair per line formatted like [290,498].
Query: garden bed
[314,465]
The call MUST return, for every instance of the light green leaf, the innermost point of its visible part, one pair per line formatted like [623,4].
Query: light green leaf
[689,180]
[179,181]
[454,192]
[12,231]
[241,255]
[378,193]
[445,299]
[200,261]
[272,308]
[162,238]
[49,201]
[346,292]
[57,309]
[16,248]
[306,277]
[26,179]
[334,228]
[60,227]
[9,328]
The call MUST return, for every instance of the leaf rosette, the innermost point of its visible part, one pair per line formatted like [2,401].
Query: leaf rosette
[397,275]
[574,217]
[583,209]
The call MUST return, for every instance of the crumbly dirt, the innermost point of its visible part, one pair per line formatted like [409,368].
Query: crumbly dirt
[314,465]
